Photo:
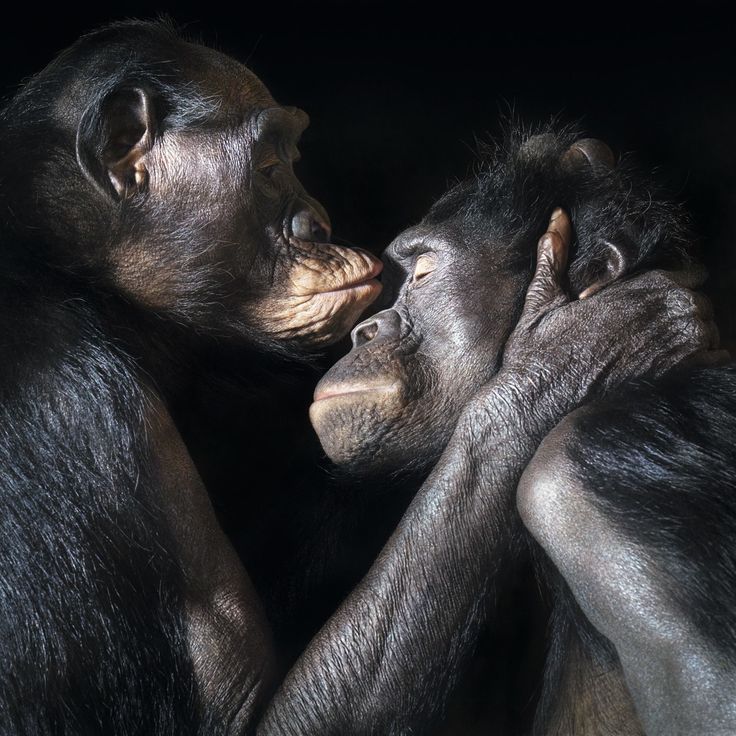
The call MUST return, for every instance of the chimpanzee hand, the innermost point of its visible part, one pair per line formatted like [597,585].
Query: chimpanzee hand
[641,326]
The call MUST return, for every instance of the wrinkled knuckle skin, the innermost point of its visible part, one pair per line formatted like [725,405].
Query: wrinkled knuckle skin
[684,301]
[705,335]
[658,279]
[702,305]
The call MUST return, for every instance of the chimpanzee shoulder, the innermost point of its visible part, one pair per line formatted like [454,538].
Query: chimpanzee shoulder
[658,460]
[75,483]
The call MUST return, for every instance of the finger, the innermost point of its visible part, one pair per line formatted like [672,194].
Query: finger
[545,288]
[560,225]
[703,305]
[594,289]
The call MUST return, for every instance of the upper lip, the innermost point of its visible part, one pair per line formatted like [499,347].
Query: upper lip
[376,269]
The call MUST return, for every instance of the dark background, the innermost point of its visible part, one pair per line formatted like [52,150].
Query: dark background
[397,93]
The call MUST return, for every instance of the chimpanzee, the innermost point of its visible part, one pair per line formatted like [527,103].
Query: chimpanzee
[148,206]
[455,286]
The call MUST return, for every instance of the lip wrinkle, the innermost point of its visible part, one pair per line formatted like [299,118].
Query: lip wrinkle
[356,285]
[329,394]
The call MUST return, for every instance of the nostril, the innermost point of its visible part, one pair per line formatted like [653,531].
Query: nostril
[301,225]
[364,333]
[320,232]
[305,226]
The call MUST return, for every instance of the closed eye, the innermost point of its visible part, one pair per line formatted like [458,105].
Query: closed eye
[269,165]
[423,266]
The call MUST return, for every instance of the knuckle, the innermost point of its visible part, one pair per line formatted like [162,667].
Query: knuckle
[696,334]
[656,279]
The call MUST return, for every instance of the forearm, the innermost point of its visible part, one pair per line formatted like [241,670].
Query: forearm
[384,661]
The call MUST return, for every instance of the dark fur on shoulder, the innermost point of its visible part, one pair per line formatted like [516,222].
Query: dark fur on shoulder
[91,640]
[659,460]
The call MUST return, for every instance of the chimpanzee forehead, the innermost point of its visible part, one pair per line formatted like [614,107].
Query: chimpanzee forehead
[232,83]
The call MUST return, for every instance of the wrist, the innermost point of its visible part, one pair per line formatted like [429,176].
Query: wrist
[517,407]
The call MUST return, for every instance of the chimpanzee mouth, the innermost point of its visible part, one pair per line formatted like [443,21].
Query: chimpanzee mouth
[368,285]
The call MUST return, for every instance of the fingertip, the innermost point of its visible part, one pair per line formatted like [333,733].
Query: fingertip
[559,222]
[586,293]
[556,213]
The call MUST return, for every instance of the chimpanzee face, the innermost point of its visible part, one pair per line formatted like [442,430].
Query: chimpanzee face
[455,287]
[199,215]
[392,402]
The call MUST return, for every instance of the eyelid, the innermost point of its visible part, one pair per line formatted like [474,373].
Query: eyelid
[269,159]
[409,249]
[424,264]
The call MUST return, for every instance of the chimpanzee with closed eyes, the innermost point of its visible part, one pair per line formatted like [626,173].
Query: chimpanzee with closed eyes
[455,286]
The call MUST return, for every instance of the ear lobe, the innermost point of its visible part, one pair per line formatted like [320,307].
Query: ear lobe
[113,140]
[615,268]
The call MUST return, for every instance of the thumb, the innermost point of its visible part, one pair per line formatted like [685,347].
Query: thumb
[545,289]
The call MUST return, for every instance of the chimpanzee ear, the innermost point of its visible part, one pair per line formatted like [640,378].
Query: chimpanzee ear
[616,264]
[113,140]
[591,153]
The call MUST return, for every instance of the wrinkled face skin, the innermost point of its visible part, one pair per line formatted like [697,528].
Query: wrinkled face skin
[213,228]
[392,402]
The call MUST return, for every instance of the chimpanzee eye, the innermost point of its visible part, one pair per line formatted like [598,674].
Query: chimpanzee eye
[424,265]
[268,168]
[269,163]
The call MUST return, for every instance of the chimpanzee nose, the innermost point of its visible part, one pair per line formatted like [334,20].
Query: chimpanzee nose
[310,222]
[385,324]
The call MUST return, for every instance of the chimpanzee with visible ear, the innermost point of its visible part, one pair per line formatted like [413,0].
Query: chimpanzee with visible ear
[148,206]
[436,375]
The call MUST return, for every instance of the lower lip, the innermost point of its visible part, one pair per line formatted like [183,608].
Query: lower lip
[349,391]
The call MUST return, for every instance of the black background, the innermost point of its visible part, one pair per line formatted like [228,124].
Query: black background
[397,93]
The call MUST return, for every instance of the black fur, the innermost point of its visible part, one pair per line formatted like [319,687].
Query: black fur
[91,640]
[92,637]
[520,181]
[660,462]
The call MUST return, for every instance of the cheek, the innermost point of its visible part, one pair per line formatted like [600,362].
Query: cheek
[196,167]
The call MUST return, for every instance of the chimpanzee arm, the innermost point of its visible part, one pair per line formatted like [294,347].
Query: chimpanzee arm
[227,636]
[633,499]
[383,662]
